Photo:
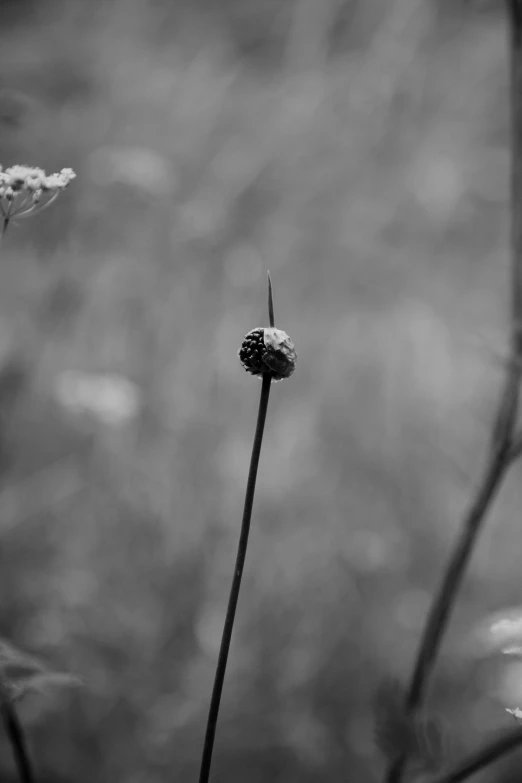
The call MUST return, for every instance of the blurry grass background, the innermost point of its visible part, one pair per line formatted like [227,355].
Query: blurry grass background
[359,150]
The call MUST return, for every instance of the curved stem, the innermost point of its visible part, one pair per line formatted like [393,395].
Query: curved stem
[503,444]
[444,600]
[213,714]
[482,758]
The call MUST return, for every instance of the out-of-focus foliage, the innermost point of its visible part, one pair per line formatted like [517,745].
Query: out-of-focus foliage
[358,149]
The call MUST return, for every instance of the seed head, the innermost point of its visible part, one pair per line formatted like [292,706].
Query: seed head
[252,352]
[268,350]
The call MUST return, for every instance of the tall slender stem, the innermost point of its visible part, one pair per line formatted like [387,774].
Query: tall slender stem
[215,701]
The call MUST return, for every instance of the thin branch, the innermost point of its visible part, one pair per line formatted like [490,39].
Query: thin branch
[501,449]
[6,216]
[482,758]
[37,210]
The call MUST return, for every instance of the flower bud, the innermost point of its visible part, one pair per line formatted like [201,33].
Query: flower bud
[268,351]
[280,353]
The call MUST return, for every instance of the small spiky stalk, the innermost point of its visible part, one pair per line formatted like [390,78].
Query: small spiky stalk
[261,355]
[271,319]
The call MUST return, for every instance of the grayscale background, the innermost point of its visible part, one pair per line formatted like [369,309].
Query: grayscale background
[358,149]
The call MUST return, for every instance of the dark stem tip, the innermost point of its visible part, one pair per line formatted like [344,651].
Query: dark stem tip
[270,302]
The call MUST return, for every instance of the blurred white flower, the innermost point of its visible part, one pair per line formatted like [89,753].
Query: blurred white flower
[138,167]
[499,633]
[517,712]
[110,398]
[507,631]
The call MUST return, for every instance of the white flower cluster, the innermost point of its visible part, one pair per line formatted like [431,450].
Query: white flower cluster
[22,189]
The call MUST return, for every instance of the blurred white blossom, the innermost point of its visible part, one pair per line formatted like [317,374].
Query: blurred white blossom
[138,167]
[110,398]
[499,633]
[506,632]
